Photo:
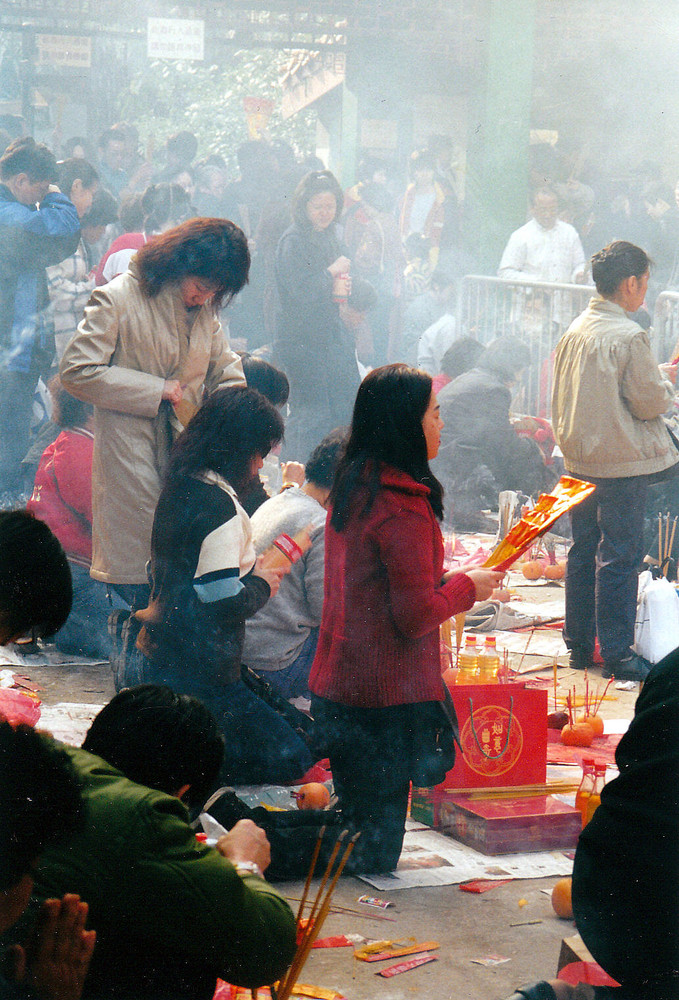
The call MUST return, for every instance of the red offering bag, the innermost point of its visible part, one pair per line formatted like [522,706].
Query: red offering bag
[18,707]
[503,732]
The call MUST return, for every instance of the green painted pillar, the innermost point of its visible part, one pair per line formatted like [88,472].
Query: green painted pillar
[499,132]
[343,132]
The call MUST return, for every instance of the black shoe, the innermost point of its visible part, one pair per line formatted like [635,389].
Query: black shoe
[631,668]
[535,991]
[580,661]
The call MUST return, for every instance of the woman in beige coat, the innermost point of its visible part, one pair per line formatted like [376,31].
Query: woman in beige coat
[149,347]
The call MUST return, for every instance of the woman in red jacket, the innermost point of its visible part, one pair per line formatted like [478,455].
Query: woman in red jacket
[376,679]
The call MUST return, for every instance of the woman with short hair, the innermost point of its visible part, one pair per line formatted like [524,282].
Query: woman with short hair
[148,349]
[376,678]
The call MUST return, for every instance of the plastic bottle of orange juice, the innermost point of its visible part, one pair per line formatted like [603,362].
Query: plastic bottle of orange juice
[594,801]
[467,662]
[488,661]
[586,787]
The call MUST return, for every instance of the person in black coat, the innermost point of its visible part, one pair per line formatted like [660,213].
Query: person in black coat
[626,871]
[311,344]
[481,453]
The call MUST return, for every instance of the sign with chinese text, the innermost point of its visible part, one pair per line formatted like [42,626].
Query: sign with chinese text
[64,50]
[175,38]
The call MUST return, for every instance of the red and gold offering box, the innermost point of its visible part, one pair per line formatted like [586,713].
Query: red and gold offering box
[503,732]
[510,826]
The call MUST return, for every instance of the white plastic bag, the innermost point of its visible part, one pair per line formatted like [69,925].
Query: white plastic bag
[656,632]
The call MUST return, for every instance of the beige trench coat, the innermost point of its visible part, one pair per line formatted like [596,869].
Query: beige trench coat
[125,348]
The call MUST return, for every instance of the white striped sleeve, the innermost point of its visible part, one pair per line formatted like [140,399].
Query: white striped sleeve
[217,575]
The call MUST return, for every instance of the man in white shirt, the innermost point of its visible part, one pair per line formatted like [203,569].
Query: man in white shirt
[545,249]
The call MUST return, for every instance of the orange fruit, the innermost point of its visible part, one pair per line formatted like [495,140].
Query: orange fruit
[580,734]
[555,571]
[312,796]
[595,721]
[532,570]
[561,898]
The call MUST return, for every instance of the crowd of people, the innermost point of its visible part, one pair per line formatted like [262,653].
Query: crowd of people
[224,583]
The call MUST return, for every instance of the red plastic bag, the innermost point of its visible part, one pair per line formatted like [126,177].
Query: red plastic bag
[17,707]
[585,972]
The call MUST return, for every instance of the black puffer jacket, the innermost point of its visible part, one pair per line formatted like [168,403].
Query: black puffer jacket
[478,436]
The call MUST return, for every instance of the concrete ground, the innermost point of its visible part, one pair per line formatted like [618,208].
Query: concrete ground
[467,926]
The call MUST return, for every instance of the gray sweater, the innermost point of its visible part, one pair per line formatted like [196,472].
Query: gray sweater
[275,635]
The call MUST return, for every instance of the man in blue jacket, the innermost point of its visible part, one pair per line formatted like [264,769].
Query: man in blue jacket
[39,227]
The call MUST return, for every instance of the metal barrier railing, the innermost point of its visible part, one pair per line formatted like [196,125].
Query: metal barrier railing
[665,329]
[536,311]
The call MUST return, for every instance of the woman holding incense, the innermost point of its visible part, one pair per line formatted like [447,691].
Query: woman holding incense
[206,581]
[376,678]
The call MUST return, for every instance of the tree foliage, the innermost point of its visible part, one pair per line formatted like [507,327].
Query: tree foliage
[170,95]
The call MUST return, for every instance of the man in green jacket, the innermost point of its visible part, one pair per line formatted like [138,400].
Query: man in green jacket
[171,914]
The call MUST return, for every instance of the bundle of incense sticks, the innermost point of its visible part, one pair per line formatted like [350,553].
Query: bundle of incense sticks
[665,542]
[311,927]
[556,787]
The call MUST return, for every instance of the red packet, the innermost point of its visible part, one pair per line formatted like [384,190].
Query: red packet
[396,970]
[479,885]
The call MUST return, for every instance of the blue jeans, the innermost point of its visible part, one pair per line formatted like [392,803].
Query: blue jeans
[293,681]
[85,632]
[601,576]
[260,747]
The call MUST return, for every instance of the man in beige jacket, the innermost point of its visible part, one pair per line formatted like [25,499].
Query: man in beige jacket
[608,399]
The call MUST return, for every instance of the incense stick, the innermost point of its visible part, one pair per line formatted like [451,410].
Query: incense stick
[310,874]
[314,926]
[532,633]
[669,547]
[284,983]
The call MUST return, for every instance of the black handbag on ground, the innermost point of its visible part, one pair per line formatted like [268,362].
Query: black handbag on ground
[436,732]
[292,835]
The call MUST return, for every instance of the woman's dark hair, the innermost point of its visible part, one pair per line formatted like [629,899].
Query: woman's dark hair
[212,250]
[104,210]
[40,801]
[72,143]
[67,411]
[322,464]
[230,429]
[505,357]
[182,147]
[35,579]
[315,182]
[616,262]
[76,169]
[163,205]
[386,428]
[421,159]
[132,214]
[159,739]
[363,296]
[267,379]
[462,355]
